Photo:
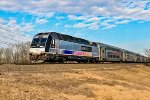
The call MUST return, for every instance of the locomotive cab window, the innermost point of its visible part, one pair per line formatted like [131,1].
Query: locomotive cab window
[38,42]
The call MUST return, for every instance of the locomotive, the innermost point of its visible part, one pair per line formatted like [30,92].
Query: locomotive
[56,47]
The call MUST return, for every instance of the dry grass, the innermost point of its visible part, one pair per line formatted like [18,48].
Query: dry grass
[75,82]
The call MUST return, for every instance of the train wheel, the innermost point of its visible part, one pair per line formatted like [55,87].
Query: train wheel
[51,61]
[61,62]
[79,62]
[85,61]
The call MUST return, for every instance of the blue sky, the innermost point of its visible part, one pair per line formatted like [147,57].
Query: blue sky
[122,23]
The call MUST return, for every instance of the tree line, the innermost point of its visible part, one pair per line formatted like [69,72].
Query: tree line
[15,53]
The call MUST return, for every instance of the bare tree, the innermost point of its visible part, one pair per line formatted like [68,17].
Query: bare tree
[7,55]
[21,53]
[1,55]
[15,53]
[147,53]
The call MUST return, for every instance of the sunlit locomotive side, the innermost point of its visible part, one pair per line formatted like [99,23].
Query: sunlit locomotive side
[56,47]
[59,47]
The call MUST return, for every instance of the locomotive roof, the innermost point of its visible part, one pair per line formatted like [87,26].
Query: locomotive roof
[68,38]
[46,33]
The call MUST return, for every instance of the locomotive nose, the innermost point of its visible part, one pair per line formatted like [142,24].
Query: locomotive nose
[37,50]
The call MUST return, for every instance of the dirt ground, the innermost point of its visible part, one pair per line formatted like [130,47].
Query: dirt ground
[75,82]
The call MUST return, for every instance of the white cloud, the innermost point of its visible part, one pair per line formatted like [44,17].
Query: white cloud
[2,21]
[60,17]
[12,23]
[109,26]
[58,24]
[28,27]
[112,12]
[41,21]
[80,25]
[122,22]
[73,17]
[114,8]
[12,32]
[90,22]
[95,19]
[94,25]
[67,26]
[91,25]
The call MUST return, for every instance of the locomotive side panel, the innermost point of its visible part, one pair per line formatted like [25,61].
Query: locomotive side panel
[74,51]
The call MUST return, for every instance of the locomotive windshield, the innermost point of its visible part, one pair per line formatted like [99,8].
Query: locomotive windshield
[38,42]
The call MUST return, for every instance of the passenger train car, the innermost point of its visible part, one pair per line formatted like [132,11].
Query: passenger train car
[56,47]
